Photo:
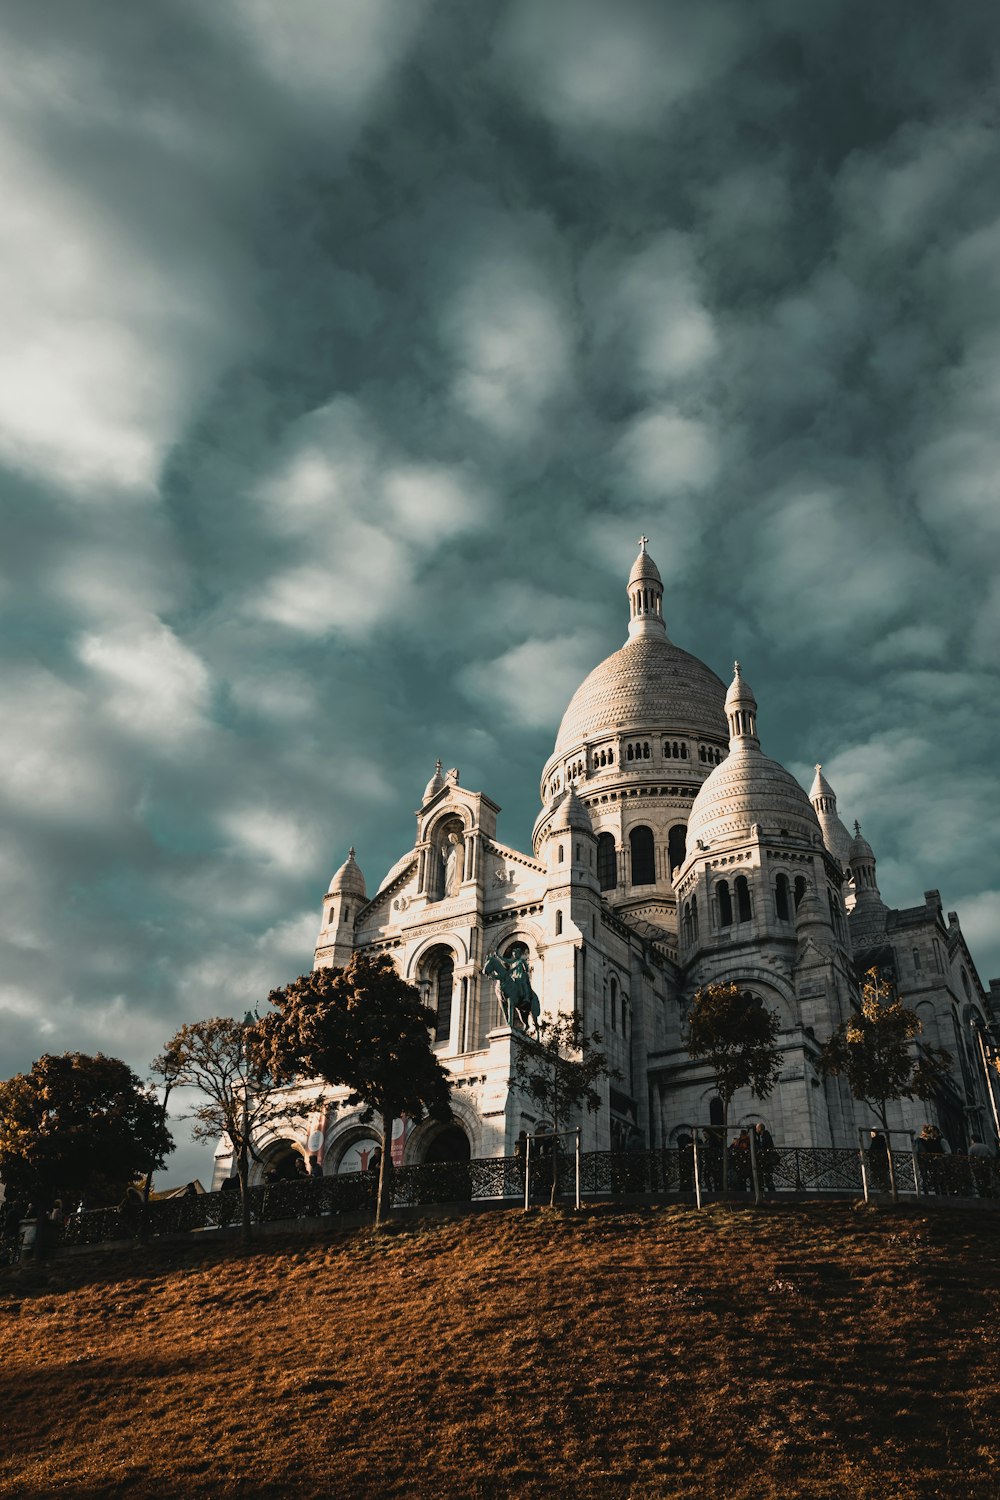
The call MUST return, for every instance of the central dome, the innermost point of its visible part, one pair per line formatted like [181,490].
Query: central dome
[649,681]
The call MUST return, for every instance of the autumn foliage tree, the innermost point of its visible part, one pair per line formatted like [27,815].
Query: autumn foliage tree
[560,1072]
[77,1126]
[365,1028]
[874,1050]
[736,1035]
[222,1059]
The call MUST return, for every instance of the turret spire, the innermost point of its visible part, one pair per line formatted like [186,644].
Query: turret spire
[741,711]
[645,596]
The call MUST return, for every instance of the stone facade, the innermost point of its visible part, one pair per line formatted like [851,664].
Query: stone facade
[670,851]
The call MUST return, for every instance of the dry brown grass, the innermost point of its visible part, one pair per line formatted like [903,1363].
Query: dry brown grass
[807,1351]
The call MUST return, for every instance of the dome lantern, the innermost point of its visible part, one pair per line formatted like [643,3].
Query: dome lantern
[741,711]
[645,596]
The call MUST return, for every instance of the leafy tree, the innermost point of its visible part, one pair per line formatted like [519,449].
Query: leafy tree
[365,1028]
[736,1035]
[222,1059]
[78,1126]
[874,1051]
[560,1071]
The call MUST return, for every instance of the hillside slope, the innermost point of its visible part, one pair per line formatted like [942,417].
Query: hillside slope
[803,1350]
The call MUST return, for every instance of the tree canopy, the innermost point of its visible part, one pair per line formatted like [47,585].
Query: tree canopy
[78,1126]
[222,1059]
[365,1028]
[873,1049]
[560,1071]
[736,1035]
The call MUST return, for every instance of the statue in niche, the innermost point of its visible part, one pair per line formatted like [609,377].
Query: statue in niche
[453,860]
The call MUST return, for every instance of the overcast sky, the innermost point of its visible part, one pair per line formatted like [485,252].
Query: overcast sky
[349,345]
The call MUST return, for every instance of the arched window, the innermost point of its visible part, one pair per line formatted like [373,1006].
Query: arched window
[558,923]
[643,858]
[607,862]
[440,972]
[782,909]
[715,1115]
[629,753]
[916,961]
[684,752]
[686,930]
[614,1005]
[742,899]
[800,890]
[676,846]
[725,904]
[645,750]
[694,918]
[560,854]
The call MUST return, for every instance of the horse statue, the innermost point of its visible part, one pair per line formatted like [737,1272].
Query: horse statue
[520,1003]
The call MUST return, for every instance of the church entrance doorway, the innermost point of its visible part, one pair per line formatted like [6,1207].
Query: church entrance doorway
[451,1144]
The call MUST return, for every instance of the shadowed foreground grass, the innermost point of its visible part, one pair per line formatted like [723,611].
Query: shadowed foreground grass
[804,1350]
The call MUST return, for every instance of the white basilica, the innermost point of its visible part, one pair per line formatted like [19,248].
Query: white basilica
[670,850]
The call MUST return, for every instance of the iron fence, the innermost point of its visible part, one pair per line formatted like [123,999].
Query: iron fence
[500,1180]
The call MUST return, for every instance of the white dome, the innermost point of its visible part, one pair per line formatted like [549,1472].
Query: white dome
[747,788]
[348,880]
[648,684]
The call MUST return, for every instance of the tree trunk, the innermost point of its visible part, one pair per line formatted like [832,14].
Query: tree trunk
[383,1203]
[725,1147]
[243,1169]
[893,1191]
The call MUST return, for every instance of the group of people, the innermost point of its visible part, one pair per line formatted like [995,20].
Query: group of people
[740,1155]
[940,1170]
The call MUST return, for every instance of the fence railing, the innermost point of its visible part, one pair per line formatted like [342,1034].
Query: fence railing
[500,1180]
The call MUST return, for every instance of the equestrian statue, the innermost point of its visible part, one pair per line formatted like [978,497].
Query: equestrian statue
[519,1001]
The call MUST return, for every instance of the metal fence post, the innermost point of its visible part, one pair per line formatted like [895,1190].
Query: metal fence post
[913,1160]
[755,1174]
[578,1166]
[697,1174]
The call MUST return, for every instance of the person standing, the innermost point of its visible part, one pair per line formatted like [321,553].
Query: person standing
[767,1155]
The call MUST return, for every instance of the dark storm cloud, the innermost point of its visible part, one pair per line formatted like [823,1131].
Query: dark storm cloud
[349,346]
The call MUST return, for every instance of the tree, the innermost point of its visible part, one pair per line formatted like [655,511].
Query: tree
[874,1051]
[78,1127]
[735,1034]
[365,1028]
[560,1071]
[222,1059]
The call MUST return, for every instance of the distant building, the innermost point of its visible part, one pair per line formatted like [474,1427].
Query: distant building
[670,851]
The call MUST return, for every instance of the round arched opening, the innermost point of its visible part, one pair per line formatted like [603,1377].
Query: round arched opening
[450,1144]
[359,1156]
[282,1162]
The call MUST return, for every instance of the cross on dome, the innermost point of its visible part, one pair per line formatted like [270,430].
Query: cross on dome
[642,543]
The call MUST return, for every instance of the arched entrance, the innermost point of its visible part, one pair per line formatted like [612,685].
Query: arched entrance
[450,1144]
[282,1162]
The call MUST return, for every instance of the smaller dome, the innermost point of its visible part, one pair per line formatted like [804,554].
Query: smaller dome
[748,788]
[571,813]
[821,788]
[740,694]
[861,851]
[644,569]
[810,911]
[348,880]
[434,785]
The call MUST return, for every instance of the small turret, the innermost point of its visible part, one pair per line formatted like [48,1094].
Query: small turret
[741,711]
[344,899]
[434,785]
[835,835]
[645,596]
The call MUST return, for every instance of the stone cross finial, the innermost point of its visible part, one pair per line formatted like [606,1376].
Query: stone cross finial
[818,767]
[857,829]
[736,669]
[350,852]
[642,543]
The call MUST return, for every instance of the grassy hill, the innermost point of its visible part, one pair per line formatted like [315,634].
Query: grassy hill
[814,1350]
